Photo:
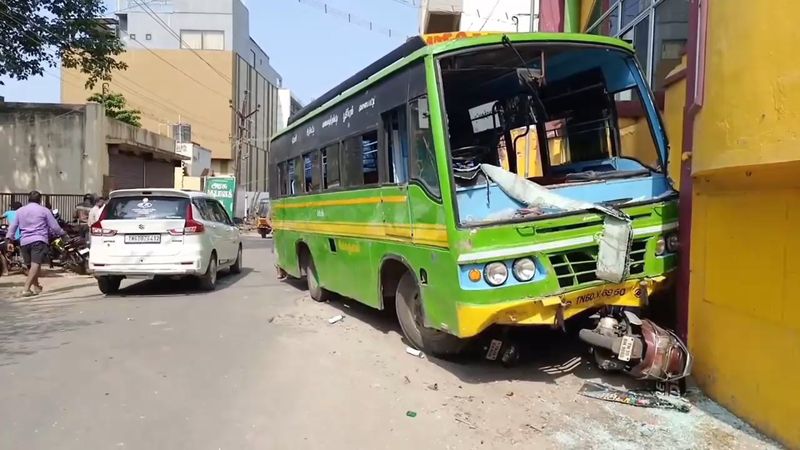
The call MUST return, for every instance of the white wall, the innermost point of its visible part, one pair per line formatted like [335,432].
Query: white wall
[484,15]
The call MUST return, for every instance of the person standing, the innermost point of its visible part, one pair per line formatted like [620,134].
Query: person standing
[11,214]
[97,209]
[94,214]
[36,224]
[81,215]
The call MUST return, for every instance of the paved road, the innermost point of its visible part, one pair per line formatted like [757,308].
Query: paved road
[255,365]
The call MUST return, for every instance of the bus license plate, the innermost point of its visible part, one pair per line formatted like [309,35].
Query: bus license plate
[142,238]
[626,348]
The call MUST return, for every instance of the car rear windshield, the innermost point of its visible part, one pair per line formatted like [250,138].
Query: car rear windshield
[147,208]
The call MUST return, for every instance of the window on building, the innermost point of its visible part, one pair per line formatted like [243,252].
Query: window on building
[330,166]
[423,157]
[148,37]
[203,39]
[657,29]
[132,36]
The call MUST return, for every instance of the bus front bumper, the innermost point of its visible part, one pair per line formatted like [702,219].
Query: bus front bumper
[473,318]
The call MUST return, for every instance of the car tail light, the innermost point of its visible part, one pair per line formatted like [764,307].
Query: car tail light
[97,227]
[190,226]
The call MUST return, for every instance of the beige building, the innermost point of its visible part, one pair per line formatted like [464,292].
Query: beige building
[190,61]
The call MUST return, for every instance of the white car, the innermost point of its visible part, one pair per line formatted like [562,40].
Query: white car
[144,233]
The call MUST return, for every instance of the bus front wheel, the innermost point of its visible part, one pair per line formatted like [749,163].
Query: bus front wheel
[411,316]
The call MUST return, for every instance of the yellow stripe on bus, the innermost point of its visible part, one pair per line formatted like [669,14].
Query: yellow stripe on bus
[395,232]
[343,202]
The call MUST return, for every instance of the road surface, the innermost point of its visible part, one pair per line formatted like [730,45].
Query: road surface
[256,365]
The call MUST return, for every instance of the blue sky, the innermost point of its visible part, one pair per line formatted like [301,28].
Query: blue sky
[313,51]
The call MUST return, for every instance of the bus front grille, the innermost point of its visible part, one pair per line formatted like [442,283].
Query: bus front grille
[577,267]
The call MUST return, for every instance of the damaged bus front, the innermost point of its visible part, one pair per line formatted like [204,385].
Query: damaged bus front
[558,160]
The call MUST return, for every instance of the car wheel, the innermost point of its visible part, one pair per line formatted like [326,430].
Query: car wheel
[237,265]
[208,281]
[408,305]
[263,233]
[109,285]
[317,292]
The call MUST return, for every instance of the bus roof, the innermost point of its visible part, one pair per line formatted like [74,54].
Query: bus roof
[419,46]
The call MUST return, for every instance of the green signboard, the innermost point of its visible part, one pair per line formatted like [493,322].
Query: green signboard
[224,190]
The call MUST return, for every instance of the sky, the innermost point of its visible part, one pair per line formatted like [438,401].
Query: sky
[313,51]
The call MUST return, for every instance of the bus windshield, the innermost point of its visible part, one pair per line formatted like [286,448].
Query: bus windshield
[571,120]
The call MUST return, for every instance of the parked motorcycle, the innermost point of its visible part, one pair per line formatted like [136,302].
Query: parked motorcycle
[71,253]
[11,261]
[622,341]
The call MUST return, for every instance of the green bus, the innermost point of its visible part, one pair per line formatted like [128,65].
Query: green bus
[513,179]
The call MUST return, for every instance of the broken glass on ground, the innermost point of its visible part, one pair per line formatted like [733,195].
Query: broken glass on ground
[642,399]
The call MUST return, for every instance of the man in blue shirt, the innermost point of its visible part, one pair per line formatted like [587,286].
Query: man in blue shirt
[10,215]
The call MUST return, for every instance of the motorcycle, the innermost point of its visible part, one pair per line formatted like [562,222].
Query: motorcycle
[11,261]
[621,341]
[71,251]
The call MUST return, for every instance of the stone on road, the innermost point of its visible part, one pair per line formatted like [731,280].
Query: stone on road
[256,364]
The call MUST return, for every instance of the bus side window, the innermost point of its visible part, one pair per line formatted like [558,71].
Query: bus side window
[282,181]
[423,158]
[395,136]
[330,166]
[290,187]
[311,171]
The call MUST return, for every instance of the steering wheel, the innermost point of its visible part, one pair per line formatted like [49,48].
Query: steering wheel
[470,152]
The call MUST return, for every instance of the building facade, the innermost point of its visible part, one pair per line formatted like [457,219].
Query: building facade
[194,62]
[442,16]
[731,101]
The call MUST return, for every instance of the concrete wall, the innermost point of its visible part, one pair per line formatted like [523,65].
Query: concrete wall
[52,148]
[744,327]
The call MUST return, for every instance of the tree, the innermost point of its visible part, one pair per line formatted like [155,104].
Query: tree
[35,34]
[115,107]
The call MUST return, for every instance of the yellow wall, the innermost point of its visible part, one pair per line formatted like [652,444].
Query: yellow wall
[586,9]
[166,96]
[744,326]
[674,101]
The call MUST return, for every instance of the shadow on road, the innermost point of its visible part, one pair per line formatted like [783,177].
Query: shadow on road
[168,287]
[545,354]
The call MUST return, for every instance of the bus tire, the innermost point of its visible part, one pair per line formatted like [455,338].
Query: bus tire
[408,305]
[317,292]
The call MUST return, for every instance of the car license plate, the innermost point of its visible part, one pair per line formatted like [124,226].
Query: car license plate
[142,238]
[626,348]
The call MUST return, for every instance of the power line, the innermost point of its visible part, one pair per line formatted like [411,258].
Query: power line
[353,19]
[225,96]
[160,119]
[169,30]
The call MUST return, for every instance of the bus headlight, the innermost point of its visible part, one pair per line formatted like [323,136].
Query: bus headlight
[524,269]
[495,273]
[661,246]
[673,243]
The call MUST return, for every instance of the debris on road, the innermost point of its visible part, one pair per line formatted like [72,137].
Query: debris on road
[335,319]
[635,398]
[411,413]
[434,387]
[464,420]
[510,394]
[406,380]
[414,352]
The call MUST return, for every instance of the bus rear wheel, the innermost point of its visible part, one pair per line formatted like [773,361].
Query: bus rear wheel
[317,292]
[411,316]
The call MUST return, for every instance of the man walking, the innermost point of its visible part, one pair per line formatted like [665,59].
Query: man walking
[37,224]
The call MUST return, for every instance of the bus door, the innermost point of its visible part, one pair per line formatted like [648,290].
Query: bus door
[394,193]
[424,197]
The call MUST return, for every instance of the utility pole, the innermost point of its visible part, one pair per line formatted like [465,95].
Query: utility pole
[241,134]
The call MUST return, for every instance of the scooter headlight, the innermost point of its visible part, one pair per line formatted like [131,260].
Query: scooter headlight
[495,273]
[524,269]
